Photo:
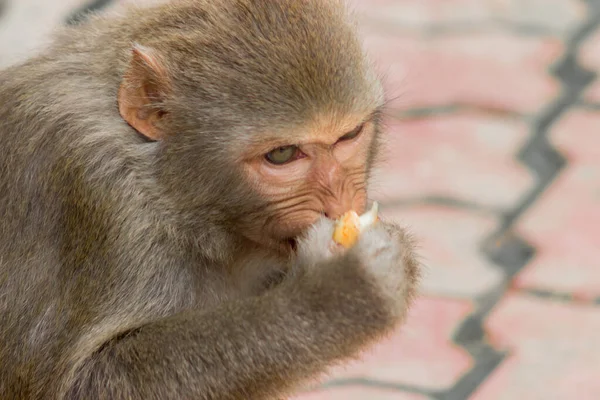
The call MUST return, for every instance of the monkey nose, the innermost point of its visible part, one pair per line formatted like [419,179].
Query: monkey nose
[335,208]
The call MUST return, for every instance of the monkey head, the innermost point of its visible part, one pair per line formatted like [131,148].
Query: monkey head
[264,118]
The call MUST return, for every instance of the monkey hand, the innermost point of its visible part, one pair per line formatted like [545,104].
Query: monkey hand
[386,253]
[317,244]
[327,238]
[377,277]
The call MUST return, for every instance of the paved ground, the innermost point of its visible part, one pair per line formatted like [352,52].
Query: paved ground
[495,163]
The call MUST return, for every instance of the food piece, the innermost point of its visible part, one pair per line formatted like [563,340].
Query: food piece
[349,226]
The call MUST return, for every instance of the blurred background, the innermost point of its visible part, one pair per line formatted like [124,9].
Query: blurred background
[494,164]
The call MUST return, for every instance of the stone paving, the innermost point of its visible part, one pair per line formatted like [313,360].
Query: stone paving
[494,163]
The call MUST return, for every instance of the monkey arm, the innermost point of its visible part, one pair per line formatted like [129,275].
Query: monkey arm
[257,348]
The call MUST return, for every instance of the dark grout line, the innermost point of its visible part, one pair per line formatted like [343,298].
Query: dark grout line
[498,25]
[373,383]
[82,13]
[508,251]
[486,361]
[443,201]
[471,337]
[538,154]
[557,296]
[427,112]
[548,295]
[588,106]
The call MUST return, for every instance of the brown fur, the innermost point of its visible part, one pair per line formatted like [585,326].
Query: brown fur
[125,272]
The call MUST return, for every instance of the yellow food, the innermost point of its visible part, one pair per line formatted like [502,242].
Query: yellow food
[349,226]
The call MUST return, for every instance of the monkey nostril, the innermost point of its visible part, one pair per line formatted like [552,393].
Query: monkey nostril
[336,206]
[333,214]
[292,243]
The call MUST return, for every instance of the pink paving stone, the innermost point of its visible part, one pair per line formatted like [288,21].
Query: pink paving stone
[593,93]
[590,58]
[558,15]
[498,71]
[359,393]
[420,352]
[564,225]
[590,52]
[554,351]
[465,156]
[449,242]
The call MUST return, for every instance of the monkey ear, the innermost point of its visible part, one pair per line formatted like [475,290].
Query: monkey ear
[142,90]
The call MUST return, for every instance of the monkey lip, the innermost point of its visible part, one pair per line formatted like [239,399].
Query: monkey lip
[285,247]
[292,244]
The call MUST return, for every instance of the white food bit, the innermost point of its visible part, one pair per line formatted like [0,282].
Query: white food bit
[369,218]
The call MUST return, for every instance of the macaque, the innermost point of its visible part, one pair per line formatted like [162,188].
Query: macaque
[170,179]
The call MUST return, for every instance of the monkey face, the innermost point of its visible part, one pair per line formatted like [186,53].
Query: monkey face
[262,135]
[320,170]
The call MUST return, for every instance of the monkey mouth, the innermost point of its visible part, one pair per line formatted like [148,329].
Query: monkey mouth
[285,247]
[289,241]
[292,244]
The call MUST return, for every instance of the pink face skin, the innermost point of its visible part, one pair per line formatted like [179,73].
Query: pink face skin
[325,172]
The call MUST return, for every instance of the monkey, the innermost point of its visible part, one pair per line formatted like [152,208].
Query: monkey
[169,180]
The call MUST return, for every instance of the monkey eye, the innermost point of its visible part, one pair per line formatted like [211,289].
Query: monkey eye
[353,134]
[282,155]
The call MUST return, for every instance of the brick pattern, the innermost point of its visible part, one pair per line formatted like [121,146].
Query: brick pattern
[552,347]
[485,70]
[564,228]
[419,354]
[414,169]
[494,163]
